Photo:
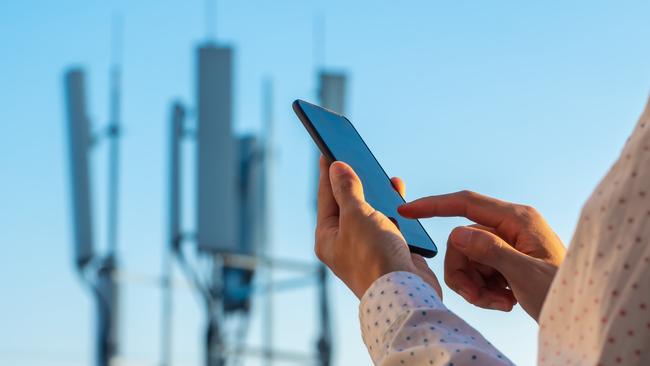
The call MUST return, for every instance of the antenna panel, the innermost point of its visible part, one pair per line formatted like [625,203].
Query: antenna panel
[217,192]
[251,195]
[79,142]
[332,91]
[175,139]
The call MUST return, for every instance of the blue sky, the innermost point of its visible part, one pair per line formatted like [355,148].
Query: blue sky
[526,102]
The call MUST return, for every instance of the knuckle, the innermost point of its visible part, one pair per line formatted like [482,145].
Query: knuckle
[456,231]
[448,280]
[451,282]
[484,251]
[357,210]
[320,237]
[485,246]
[346,185]
[528,213]
[465,193]
[318,250]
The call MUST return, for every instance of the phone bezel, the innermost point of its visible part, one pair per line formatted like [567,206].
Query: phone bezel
[322,146]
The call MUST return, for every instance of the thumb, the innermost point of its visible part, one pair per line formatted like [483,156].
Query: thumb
[487,248]
[346,186]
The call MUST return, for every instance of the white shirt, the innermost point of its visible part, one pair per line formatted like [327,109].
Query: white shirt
[597,311]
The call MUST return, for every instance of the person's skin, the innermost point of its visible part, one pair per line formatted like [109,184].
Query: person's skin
[358,243]
[511,256]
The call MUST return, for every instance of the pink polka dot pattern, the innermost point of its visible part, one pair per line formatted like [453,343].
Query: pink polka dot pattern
[403,322]
[597,311]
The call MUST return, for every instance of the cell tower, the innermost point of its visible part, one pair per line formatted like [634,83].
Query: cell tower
[230,265]
[97,270]
[331,95]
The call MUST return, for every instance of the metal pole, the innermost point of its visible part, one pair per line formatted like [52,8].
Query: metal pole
[174,236]
[325,341]
[113,154]
[210,19]
[214,347]
[110,261]
[167,309]
[214,301]
[267,156]
[107,287]
[105,295]
[214,350]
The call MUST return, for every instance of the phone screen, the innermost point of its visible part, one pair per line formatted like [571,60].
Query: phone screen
[339,140]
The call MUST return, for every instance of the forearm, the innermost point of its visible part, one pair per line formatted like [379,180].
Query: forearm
[404,322]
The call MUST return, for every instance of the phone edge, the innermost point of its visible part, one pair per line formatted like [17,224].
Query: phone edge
[330,157]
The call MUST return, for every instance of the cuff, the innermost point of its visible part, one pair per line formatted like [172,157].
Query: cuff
[388,302]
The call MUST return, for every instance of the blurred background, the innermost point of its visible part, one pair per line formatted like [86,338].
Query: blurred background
[526,102]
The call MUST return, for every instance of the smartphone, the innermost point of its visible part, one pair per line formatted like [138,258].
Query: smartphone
[337,139]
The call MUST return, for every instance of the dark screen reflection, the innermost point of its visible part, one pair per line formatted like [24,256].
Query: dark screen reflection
[346,145]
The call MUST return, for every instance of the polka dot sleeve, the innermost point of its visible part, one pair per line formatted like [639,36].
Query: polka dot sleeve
[597,311]
[403,322]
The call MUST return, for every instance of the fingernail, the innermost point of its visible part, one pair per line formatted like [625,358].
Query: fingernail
[498,305]
[463,237]
[338,168]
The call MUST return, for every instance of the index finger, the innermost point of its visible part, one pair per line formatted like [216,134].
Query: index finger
[481,209]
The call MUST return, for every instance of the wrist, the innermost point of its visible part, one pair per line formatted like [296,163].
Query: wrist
[366,275]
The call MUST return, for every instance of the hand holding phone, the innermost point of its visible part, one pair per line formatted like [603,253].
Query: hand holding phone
[339,140]
[359,243]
